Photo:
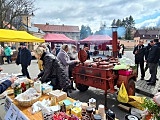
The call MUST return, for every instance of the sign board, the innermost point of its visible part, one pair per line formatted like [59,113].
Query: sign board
[7,103]
[14,113]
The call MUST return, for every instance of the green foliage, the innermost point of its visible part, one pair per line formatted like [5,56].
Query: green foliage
[152,108]
[85,32]
[11,10]
[128,23]
[113,23]
[118,23]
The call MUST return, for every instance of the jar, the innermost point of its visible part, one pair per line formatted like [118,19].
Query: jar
[89,114]
[97,117]
[84,106]
[101,110]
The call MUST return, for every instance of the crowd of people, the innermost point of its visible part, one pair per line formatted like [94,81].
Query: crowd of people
[57,67]
[150,55]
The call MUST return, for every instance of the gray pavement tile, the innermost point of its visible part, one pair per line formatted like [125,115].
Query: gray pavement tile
[141,85]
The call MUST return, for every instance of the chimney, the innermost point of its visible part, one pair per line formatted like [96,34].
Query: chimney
[47,23]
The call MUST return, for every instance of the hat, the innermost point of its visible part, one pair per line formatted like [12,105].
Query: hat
[22,43]
[156,40]
[85,45]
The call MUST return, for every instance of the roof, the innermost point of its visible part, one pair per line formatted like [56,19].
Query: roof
[57,28]
[57,38]
[97,39]
[148,32]
[17,36]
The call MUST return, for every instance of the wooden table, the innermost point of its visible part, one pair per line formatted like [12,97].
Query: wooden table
[26,110]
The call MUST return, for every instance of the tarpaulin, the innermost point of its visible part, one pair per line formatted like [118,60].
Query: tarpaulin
[17,36]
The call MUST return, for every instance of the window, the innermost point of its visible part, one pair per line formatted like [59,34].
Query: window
[143,35]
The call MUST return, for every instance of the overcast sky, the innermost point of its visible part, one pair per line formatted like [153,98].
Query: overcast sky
[94,12]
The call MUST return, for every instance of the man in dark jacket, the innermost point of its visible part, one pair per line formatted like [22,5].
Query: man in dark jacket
[148,47]
[24,58]
[153,59]
[139,52]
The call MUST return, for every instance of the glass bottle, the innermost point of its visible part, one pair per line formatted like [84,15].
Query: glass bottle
[17,89]
[23,86]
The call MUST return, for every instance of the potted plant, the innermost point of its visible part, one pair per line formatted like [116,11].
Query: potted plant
[152,108]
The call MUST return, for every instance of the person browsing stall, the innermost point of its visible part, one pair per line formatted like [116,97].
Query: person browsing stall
[73,54]
[86,48]
[65,59]
[52,70]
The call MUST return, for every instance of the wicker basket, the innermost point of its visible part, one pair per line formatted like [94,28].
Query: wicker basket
[26,103]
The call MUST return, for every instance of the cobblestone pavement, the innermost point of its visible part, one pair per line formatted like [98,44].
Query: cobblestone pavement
[148,90]
[141,85]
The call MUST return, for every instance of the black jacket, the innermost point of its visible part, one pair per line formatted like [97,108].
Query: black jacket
[24,57]
[4,85]
[147,48]
[154,54]
[88,55]
[139,57]
[53,69]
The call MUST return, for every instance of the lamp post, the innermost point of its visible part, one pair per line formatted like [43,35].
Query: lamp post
[26,13]
[114,42]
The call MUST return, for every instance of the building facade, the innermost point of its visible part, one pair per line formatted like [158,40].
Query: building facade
[72,32]
[146,35]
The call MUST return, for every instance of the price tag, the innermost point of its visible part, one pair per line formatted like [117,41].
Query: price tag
[12,113]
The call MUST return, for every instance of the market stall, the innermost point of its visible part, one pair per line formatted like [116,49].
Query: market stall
[98,43]
[58,38]
[104,74]
[17,36]
[28,100]
[97,39]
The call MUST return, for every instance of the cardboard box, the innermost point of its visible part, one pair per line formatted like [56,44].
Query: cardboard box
[58,94]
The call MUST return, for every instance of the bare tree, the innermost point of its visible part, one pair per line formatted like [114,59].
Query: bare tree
[10,9]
